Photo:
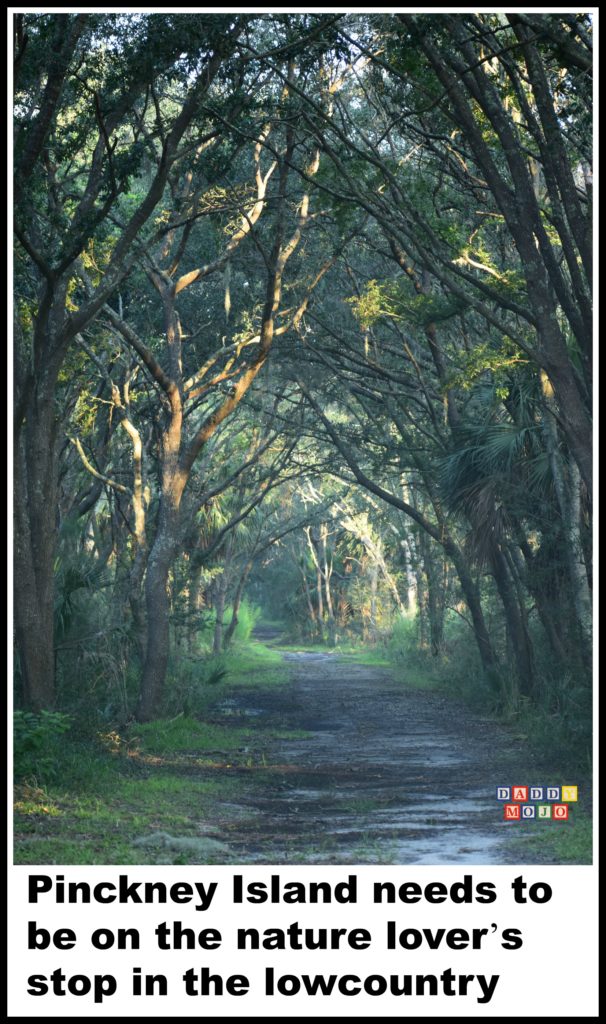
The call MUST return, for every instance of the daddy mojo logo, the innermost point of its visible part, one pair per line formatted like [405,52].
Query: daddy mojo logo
[524,803]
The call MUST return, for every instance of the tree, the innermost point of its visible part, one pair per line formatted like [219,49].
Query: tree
[304,294]
[77,155]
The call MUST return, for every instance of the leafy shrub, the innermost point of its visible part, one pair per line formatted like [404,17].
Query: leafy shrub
[37,743]
[561,724]
[457,667]
[403,642]
[190,683]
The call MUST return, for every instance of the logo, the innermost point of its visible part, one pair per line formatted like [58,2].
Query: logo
[529,803]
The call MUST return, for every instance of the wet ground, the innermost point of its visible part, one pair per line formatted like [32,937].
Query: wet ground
[384,774]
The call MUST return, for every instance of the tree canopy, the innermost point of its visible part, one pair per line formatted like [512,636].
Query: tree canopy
[303,311]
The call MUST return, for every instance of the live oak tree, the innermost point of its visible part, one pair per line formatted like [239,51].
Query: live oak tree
[93,114]
[83,86]
[450,269]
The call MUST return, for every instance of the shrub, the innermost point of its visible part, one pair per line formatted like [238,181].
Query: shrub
[37,745]
[190,684]
[403,642]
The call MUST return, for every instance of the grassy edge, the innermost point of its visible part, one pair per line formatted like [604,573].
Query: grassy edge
[159,778]
[107,796]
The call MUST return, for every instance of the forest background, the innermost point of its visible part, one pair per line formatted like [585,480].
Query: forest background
[303,332]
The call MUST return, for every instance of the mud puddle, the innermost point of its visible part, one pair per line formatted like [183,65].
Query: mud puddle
[384,774]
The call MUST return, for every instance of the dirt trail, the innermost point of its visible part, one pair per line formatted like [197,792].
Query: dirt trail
[386,774]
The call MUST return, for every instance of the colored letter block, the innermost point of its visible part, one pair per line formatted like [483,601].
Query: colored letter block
[511,812]
[503,792]
[560,812]
[519,793]
[537,793]
[528,811]
[553,793]
[570,793]
[544,811]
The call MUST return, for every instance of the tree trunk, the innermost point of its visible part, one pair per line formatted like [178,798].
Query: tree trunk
[327,573]
[219,613]
[568,496]
[35,542]
[320,599]
[435,596]
[516,627]
[235,608]
[542,594]
[436,618]
[410,597]
[157,607]
[473,602]
[195,604]
[310,605]
[157,600]
[34,632]
[374,580]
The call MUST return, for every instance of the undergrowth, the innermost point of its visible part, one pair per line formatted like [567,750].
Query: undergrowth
[89,792]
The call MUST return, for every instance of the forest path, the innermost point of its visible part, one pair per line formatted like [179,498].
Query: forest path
[384,774]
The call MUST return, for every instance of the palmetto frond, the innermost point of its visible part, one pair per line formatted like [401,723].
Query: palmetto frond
[71,577]
[492,471]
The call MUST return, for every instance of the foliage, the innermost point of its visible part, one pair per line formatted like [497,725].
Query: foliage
[403,641]
[190,681]
[37,740]
[249,615]
[110,789]
[302,331]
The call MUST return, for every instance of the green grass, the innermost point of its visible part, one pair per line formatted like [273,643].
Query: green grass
[255,663]
[417,677]
[107,792]
[566,842]
[65,851]
[376,656]
[188,734]
[100,827]
[361,654]
[363,805]
[268,623]
[189,775]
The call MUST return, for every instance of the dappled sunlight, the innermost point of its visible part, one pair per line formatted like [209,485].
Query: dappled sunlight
[29,800]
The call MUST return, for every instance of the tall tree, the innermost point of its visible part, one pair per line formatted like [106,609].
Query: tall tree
[80,137]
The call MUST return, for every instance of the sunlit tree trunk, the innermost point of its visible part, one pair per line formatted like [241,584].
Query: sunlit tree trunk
[327,575]
[374,581]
